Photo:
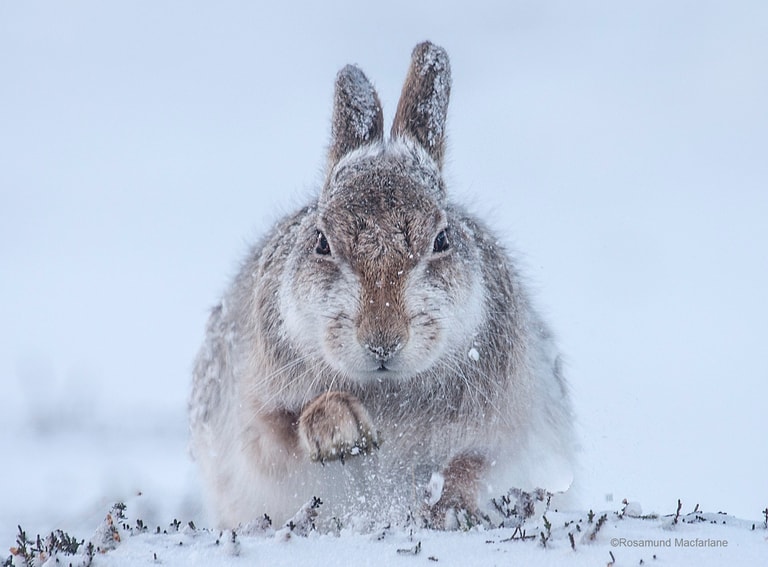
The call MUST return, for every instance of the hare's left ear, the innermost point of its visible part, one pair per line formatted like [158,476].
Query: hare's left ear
[423,105]
[357,117]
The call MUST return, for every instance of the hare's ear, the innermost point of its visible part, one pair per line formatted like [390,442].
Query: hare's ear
[357,117]
[423,104]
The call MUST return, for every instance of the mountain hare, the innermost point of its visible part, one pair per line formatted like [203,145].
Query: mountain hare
[377,349]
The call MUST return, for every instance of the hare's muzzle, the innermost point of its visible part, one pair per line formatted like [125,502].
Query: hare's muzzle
[382,323]
[382,338]
[383,351]
[382,346]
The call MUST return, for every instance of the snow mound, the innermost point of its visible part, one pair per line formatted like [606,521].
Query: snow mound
[554,538]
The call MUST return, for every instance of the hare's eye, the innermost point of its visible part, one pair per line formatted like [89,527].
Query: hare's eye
[441,242]
[322,247]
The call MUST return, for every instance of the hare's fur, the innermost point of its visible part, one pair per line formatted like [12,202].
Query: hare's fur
[378,337]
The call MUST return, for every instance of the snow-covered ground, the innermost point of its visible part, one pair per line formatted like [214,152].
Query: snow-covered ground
[626,537]
[620,146]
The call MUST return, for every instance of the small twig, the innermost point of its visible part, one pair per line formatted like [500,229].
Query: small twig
[548,528]
[600,521]
[518,535]
[677,514]
[415,550]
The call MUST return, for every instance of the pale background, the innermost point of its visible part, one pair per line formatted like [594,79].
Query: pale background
[621,147]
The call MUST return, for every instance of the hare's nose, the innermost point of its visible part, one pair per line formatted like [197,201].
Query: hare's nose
[382,353]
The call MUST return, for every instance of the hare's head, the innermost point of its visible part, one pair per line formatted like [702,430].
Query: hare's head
[386,279]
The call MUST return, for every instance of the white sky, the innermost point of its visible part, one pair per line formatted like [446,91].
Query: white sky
[621,147]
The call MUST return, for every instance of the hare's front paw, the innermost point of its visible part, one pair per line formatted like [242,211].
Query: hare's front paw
[335,425]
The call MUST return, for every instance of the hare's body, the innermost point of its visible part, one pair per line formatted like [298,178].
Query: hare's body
[383,332]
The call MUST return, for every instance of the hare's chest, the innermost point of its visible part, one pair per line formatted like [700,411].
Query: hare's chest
[422,436]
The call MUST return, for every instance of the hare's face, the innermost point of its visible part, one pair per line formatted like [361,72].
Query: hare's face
[385,281]
[388,281]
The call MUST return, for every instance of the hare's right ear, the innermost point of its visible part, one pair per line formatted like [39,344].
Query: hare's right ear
[357,117]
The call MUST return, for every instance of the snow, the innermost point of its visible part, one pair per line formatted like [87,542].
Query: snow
[435,488]
[621,148]
[555,538]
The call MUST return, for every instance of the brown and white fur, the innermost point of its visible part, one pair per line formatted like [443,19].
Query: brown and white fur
[379,341]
